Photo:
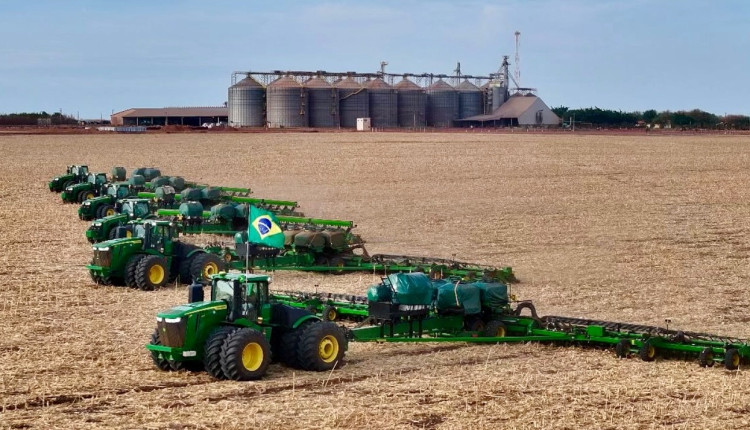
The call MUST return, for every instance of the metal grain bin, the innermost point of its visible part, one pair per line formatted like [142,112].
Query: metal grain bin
[412,104]
[383,104]
[286,103]
[470,101]
[442,104]
[353,102]
[323,103]
[247,104]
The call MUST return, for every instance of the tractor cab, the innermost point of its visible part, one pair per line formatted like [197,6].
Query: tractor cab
[156,235]
[135,208]
[118,190]
[80,171]
[245,296]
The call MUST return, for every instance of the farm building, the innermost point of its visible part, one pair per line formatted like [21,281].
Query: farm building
[193,116]
[523,111]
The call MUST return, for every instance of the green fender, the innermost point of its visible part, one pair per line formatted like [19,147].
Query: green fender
[304,319]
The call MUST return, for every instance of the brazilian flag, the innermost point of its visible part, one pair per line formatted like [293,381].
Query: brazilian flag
[264,228]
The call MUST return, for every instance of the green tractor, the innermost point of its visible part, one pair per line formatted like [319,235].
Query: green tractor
[85,190]
[151,258]
[240,329]
[75,174]
[123,211]
[106,204]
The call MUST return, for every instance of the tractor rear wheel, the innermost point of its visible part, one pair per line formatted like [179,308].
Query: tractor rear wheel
[152,272]
[212,351]
[287,349]
[494,328]
[647,352]
[204,265]
[81,197]
[67,184]
[321,346]
[732,359]
[161,363]
[130,269]
[245,355]
[105,211]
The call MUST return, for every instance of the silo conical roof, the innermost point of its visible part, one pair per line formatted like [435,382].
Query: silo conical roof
[406,84]
[377,84]
[247,82]
[467,86]
[440,85]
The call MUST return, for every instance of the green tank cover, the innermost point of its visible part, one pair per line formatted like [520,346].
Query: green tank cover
[165,193]
[411,288]
[190,194]
[379,293]
[139,171]
[191,209]
[223,211]
[310,239]
[289,236]
[494,294]
[151,173]
[137,180]
[336,239]
[458,296]
[177,182]
[211,193]
[119,173]
[160,181]
[242,210]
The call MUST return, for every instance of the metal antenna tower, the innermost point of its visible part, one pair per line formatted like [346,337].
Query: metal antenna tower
[517,71]
[382,67]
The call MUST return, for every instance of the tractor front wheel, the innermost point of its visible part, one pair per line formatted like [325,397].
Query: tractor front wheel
[204,265]
[130,270]
[321,346]
[105,211]
[151,272]
[161,363]
[245,355]
[212,351]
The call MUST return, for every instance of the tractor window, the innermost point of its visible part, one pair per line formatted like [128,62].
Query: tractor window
[140,231]
[140,210]
[250,302]
[223,290]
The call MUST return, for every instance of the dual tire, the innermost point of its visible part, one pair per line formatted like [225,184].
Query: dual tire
[146,272]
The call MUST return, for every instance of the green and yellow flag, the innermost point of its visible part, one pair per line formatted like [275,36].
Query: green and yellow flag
[264,228]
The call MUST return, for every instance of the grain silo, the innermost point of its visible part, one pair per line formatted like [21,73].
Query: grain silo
[383,104]
[246,104]
[353,102]
[470,100]
[323,103]
[412,104]
[442,104]
[286,103]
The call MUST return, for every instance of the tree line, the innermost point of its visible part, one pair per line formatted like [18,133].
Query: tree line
[36,118]
[693,119]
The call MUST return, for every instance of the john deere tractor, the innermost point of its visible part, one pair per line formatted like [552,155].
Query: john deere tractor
[85,190]
[120,214]
[105,204]
[75,174]
[151,258]
[236,333]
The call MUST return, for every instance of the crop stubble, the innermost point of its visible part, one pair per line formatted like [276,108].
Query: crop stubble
[629,228]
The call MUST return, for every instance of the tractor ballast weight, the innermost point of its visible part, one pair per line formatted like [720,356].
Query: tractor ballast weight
[234,334]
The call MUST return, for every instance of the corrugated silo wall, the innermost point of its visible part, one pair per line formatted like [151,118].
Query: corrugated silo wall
[246,106]
[287,105]
[323,107]
[412,107]
[470,103]
[442,107]
[353,103]
[384,107]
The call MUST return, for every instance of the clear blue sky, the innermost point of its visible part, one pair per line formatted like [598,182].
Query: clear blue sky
[92,57]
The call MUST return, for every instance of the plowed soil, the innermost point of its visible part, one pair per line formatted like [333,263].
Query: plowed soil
[625,228]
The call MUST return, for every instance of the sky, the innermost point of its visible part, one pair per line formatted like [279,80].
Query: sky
[90,58]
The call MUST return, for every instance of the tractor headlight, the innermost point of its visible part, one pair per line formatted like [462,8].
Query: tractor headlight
[173,320]
[105,249]
[97,224]
[87,203]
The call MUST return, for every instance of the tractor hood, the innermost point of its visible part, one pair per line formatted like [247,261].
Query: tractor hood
[217,308]
[114,243]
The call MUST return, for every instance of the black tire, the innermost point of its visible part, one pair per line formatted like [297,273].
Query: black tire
[81,196]
[204,265]
[105,211]
[130,268]
[321,346]
[161,363]
[647,351]
[68,183]
[474,323]
[330,313]
[151,273]
[732,359]
[336,264]
[706,357]
[112,233]
[287,351]
[245,355]
[622,349]
[494,328]
[212,351]
[184,270]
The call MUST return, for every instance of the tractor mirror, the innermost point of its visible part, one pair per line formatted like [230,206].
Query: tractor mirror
[195,292]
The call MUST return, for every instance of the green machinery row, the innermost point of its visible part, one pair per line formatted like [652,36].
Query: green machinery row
[243,326]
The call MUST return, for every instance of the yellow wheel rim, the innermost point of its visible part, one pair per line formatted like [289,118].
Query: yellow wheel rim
[156,274]
[332,315]
[736,360]
[228,257]
[328,349]
[650,351]
[252,356]
[210,269]
[128,233]
[500,332]
[89,196]
[109,212]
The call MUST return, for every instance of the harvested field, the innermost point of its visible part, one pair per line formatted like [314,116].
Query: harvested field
[628,228]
